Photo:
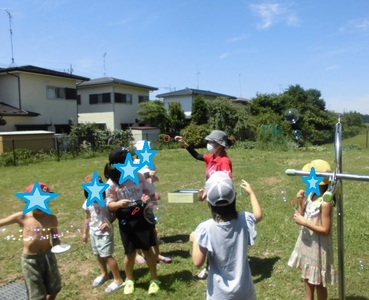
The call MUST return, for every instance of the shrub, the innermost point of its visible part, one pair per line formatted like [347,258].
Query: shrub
[194,134]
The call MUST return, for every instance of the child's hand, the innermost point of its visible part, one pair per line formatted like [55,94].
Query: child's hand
[124,203]
[84,238]
[104,227]
[300,194]
[145,198]
[201,194]
[299,219]
[246,186]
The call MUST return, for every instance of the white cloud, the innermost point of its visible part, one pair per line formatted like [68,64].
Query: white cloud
[355,25]
[238,38]
[271,13]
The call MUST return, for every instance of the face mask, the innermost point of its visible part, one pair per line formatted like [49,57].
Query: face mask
[210,147]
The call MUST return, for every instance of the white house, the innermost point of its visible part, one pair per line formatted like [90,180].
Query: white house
[186,96]
[33,98]
[111,103]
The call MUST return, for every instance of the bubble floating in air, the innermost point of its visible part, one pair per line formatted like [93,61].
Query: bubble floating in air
[291,115]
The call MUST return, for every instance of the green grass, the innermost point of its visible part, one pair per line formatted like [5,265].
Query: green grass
[277,232]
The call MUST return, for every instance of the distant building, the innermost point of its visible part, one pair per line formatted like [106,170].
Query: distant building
[33,98]
[186,96]
[111,103]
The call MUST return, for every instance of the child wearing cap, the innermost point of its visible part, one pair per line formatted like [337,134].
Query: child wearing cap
[224,240]
[98,225]
[39,264]
[313,252]
[128,201]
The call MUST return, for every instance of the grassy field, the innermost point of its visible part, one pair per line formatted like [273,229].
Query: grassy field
[277,232]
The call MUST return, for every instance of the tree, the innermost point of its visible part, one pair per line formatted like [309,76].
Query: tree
[154,113]
[222,115]
[199,114]
[313,120]
[177,117]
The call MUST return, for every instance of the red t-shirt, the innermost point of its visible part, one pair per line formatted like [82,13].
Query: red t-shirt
[219,163]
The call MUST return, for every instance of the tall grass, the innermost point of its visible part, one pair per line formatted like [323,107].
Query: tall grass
[277,233]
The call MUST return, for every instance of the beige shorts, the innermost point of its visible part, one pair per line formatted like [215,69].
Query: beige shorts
[41,274]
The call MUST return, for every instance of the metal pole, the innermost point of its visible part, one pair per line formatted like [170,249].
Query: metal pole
[339,202]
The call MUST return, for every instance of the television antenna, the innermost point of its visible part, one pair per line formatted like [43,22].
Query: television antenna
[11,36]
[197,76]
[104,63]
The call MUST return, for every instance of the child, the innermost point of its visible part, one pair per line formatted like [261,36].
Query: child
[224,239]
[39,264]
[98,222]
[127,201]
[313,252]
[151,177]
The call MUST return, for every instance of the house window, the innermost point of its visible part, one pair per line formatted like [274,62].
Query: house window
[78,99]
[143,99]
[100,98]
[53,92]
[123,98]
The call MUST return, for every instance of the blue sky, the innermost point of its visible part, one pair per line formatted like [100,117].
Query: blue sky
[235,47]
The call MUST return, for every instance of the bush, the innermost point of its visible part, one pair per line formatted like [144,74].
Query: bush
[194,134]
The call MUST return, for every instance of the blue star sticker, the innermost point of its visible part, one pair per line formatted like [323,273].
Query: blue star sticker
[146,155]
[95,190]
[37,199]
[312,182]
[128,170]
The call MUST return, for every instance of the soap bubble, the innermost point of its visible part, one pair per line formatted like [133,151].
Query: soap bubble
[291,115]
[296,134]
[361,264]
[283,194]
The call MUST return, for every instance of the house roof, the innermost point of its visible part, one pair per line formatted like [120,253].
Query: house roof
[194,92]
[112,80]
[38,70]
[11,111]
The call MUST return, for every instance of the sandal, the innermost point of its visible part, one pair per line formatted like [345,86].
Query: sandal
[129,287]
[154,287]
[99,280]
[139,259]
[202,275]
[113,287]
[164,259]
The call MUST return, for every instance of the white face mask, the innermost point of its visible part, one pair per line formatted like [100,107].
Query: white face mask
[210,147]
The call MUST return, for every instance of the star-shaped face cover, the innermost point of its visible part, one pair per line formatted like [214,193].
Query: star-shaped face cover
[37,196]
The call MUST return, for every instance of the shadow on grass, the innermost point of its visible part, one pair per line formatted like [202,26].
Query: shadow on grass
[262,267]
[182,238]
[353,298]
[166,281]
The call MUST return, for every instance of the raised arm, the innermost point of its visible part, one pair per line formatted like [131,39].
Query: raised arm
[256,209]
[191,150]
[14,218]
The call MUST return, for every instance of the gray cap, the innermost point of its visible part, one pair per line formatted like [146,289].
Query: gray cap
[219,137]
[220,187]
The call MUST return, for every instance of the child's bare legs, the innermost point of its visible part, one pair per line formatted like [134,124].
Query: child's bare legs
[151,263]
[113,265]
[321,292]
[309,290]
[139,256]
[129,263]
[102,266]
